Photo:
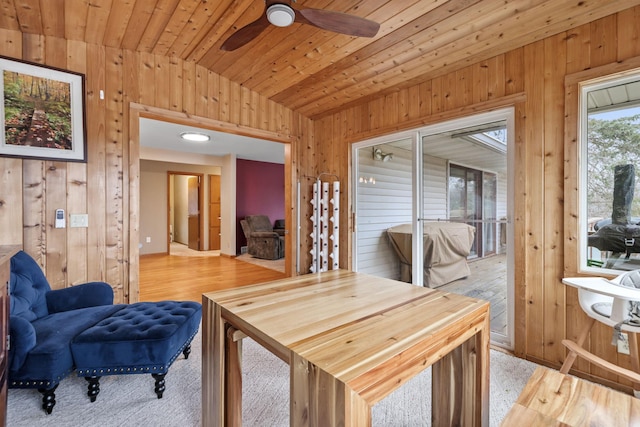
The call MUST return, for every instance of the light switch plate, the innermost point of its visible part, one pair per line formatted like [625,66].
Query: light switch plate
[79,220]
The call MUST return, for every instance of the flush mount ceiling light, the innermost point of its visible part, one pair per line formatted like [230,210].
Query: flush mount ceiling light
[280,15]
[195,136]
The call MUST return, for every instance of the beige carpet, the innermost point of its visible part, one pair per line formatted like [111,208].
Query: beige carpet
[277,264]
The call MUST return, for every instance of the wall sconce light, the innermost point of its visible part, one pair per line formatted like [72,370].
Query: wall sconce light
[365,180]
[380,156]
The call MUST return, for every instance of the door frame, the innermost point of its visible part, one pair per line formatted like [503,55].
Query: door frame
[137,111]
[200,202]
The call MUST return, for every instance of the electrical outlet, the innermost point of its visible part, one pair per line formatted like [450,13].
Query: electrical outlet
[623,344]
[148,239]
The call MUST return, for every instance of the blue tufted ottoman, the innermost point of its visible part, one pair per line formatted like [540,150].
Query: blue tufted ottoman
[141,338]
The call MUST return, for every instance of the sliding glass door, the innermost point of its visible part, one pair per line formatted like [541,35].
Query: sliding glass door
[467,160]
[449,184]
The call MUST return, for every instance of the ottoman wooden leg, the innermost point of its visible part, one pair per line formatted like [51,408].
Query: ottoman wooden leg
[159,384]
[187,351]
[48,398]
[93,388]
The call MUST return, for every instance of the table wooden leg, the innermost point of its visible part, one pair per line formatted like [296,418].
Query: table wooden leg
[460,383]
[299,391]
[319,399]
[482,373]
[213,369]
[233,378]
[357,411]
[446,389]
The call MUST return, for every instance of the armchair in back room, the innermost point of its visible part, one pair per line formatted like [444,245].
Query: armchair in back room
[262,241]
[278,226]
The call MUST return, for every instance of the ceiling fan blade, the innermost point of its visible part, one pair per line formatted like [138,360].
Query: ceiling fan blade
[338,22]
[245,34]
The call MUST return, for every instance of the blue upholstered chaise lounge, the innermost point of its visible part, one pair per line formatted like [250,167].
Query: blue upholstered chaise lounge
[53,332]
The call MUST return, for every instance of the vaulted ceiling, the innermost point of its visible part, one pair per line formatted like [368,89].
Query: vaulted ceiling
[313,71]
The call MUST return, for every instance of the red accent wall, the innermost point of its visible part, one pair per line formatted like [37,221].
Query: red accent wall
[259,191]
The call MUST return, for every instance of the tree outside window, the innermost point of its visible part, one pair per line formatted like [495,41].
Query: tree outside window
[611,123]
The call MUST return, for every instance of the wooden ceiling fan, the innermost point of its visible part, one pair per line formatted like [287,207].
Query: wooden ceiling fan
[281,14]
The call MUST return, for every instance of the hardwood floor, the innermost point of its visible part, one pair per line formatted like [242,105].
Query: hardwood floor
[166,277]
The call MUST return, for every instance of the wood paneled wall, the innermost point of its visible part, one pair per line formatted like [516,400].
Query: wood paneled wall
[106,187]
[532,80]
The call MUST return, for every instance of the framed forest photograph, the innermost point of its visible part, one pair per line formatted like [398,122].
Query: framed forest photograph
[43,110]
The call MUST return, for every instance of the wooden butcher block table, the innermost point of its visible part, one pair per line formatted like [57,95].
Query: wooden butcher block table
[350,339]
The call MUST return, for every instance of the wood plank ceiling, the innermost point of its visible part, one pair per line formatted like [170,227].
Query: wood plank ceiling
[313,71]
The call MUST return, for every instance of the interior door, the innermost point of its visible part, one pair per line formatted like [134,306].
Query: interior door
[214,212]
[194,212]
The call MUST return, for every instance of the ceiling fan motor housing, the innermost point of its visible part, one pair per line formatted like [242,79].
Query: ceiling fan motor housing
[280,15]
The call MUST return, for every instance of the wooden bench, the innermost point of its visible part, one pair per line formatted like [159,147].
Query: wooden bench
[554,399]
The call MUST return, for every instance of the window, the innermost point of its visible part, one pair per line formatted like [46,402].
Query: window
[610,163]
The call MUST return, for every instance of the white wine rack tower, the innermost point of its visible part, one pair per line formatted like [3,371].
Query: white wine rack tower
[325,220]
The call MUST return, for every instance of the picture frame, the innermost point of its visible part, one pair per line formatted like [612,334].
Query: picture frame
[43,110]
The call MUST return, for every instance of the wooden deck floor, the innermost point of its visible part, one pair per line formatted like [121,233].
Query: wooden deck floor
[488,281]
